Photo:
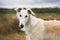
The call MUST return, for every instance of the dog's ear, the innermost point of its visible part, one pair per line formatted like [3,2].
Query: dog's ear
[31,12]
[18,9]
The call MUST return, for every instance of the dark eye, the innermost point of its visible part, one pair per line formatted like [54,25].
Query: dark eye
[26,16]
[20,15]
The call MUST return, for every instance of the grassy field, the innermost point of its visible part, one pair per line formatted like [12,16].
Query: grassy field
[49,16]
[9,29]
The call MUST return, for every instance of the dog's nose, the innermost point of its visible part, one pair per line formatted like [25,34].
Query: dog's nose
[21,25]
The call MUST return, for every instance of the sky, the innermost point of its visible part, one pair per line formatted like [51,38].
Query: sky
[29,3]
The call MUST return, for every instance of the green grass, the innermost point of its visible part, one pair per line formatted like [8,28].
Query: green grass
[49,16]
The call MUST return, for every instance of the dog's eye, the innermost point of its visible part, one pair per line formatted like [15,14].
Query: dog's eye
[26,16]
[20,15]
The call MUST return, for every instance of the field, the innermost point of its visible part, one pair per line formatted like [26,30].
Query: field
[9,29]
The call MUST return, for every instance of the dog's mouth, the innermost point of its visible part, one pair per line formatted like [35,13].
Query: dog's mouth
[22,29]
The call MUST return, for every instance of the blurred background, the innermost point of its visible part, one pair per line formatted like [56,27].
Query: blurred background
[9,29]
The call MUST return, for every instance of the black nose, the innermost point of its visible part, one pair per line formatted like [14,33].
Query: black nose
[22,25]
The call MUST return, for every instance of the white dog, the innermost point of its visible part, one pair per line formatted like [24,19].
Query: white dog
[35,28]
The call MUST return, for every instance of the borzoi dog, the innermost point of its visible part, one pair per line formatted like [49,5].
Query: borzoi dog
[35,28]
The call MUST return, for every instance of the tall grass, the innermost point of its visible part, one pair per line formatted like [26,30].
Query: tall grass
[9,29]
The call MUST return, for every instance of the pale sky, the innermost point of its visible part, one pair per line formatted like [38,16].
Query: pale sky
[29,3]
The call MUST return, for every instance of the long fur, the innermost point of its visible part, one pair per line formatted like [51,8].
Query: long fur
[39,29]
[43,30]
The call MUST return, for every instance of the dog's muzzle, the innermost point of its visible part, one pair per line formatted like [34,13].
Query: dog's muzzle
[21,26]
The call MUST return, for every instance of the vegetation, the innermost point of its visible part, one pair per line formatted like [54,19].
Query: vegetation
[7,11]
[46,10]
[9,29]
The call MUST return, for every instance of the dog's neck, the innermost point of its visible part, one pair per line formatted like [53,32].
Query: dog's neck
[31,23]
[33,20]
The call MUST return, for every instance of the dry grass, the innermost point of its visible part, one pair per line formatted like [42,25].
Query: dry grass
[49,16]
[13,36]
[9,29]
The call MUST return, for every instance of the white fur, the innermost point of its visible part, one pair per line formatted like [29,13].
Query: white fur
[33,22]
[34,27]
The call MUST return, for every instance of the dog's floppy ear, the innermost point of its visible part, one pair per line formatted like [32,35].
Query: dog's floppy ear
[31,12]
[18,9]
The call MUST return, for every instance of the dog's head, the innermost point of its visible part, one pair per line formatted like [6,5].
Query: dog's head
[23,15]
